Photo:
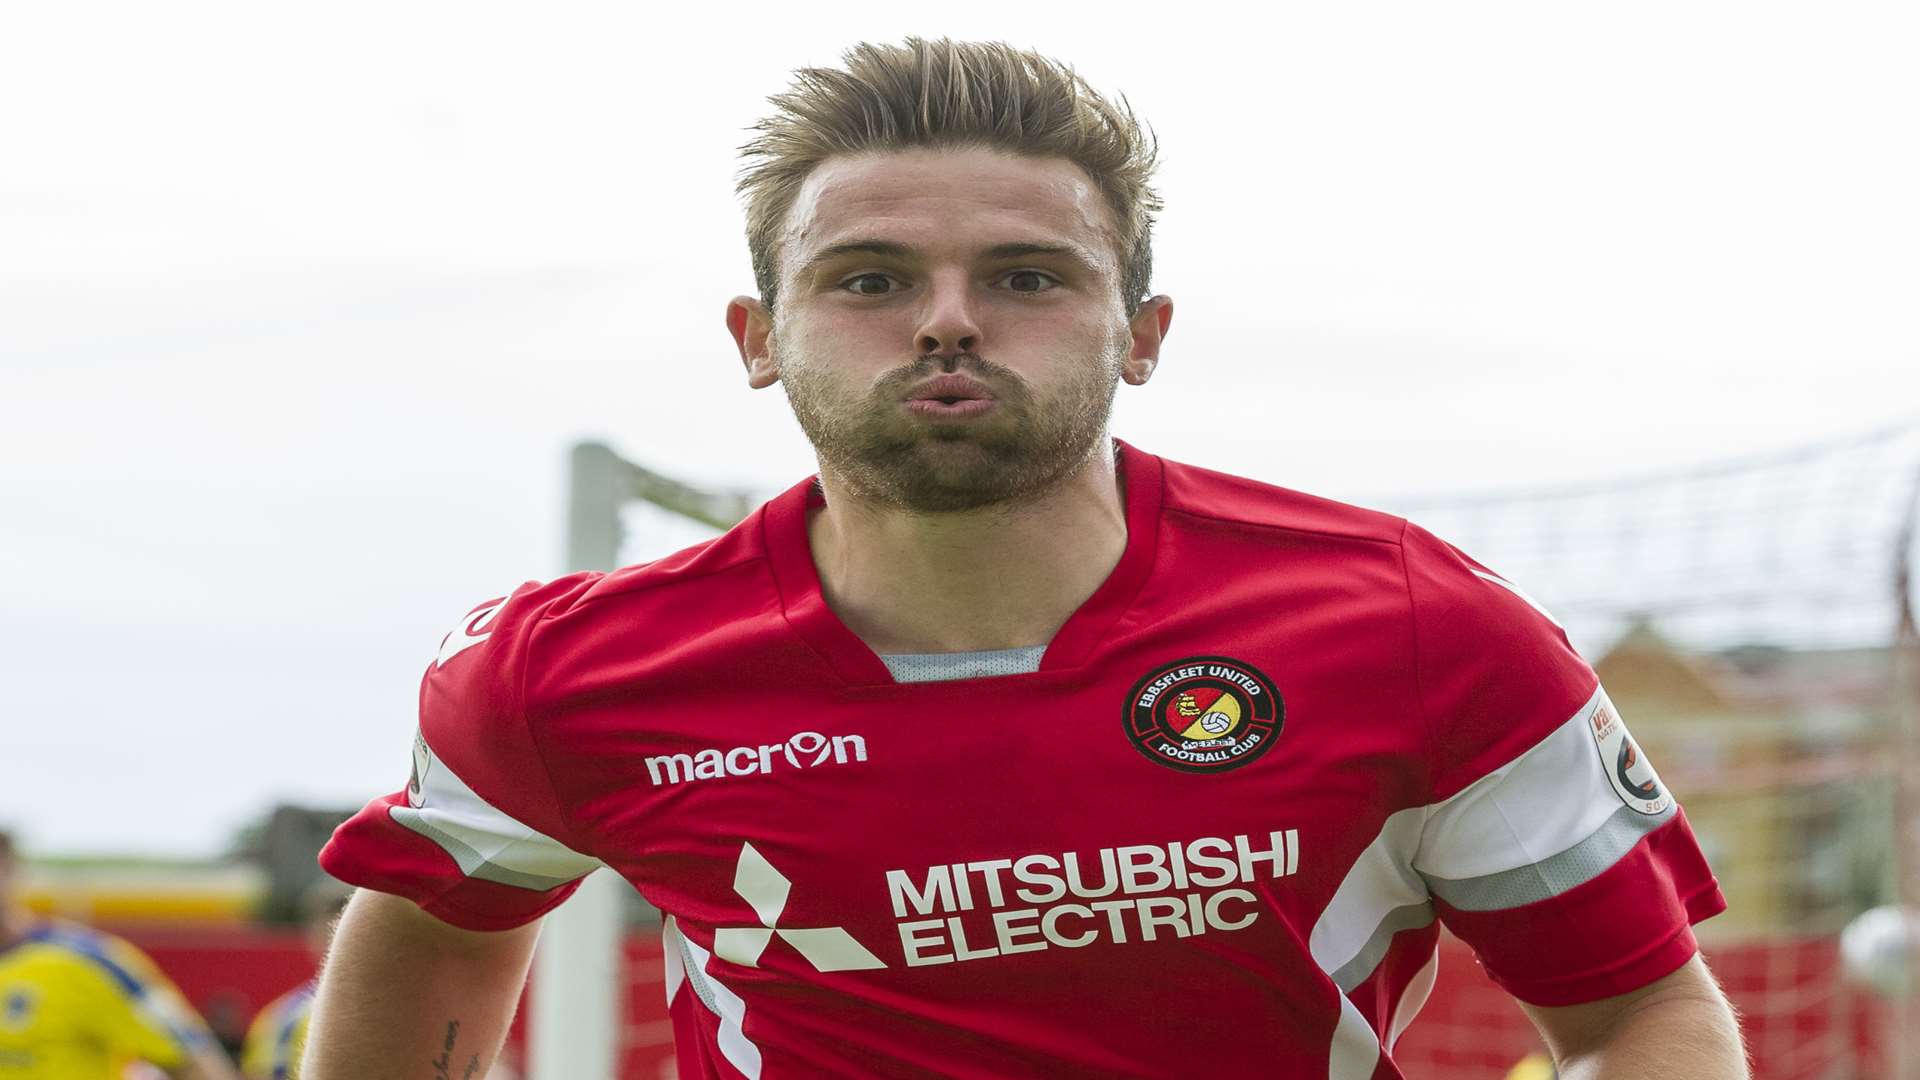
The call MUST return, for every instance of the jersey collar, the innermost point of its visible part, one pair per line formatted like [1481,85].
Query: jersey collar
[784,532]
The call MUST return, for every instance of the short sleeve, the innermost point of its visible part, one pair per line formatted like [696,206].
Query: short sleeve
[479,836]
[1550,844]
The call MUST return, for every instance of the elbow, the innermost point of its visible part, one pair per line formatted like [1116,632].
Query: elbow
[1693,1036]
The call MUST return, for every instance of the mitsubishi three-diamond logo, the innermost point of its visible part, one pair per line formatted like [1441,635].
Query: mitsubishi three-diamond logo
[827,948]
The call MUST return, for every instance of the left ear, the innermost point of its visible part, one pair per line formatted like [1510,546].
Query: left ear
[1148,328]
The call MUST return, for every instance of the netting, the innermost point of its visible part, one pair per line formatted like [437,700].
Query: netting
[1797,551]
[1753,621]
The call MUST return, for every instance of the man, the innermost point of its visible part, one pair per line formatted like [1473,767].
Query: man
[1005,749]
[78,1004]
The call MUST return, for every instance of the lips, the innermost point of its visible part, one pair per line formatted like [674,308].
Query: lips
[951,390]
[950,397]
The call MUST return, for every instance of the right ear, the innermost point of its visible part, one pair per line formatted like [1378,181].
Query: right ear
[752,328]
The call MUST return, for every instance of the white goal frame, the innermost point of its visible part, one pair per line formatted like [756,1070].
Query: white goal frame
[576,1013]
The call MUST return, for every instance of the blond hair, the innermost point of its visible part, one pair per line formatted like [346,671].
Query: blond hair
[948,94]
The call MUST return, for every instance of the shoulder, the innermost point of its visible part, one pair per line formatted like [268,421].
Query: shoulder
[728,574]
[1460,603]
[1400,569]
[488,648]
[278,1031]
[1450,589]
[490,694]
[1496,673]
[707,565]
[1253,506]
[502,628]
[113,959]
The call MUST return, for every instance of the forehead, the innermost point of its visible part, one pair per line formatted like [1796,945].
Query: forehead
[935,198]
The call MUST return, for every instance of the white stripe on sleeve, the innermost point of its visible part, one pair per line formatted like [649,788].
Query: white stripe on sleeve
[1545,822]
[483,840]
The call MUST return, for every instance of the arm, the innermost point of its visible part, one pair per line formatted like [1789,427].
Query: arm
[1681,1023]
[405,996]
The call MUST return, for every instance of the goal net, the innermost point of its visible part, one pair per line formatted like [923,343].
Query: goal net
[1754,622]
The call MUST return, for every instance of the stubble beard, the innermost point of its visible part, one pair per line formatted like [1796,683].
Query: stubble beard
[1028,446]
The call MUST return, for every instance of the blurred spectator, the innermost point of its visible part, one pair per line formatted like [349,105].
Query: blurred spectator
[79,1004]
[279,1033]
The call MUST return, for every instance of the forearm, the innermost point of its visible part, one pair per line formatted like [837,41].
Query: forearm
[404,997]
[1691,1038]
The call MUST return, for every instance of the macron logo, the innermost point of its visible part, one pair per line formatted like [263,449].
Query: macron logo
[806,750]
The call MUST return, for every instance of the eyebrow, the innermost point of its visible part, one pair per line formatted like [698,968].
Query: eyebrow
[896,250]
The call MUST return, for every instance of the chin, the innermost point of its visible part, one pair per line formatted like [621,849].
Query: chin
[953,478]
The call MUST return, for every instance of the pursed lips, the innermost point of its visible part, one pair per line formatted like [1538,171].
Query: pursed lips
[950,397]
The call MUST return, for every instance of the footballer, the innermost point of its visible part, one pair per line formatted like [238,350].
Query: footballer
[77,1003]
[1001,747]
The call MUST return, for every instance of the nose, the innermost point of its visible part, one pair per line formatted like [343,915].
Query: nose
[948,327]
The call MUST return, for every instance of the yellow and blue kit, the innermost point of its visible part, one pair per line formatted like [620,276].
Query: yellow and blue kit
[78,1004]
[277,1036]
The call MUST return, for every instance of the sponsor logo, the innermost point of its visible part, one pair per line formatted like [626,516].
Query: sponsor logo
[474,629]
[1204,714]
[1626,765]
[1121,895]
[806,750]
[422,761]
[765,889]
[967,911]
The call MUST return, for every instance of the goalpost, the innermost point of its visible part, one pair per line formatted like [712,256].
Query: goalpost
[576,1016]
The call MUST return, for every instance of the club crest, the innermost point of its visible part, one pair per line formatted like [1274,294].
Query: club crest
[1204,714]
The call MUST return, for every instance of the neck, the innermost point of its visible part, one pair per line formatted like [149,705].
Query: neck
[994,578]
[13,924]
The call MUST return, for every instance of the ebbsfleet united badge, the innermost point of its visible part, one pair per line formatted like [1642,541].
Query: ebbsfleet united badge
[1204,714]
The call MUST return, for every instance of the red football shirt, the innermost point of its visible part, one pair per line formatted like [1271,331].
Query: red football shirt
[1213,833]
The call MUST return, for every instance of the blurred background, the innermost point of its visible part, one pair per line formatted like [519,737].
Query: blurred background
[302,311]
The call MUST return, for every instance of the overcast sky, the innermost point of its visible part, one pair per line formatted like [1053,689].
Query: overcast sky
[301,306]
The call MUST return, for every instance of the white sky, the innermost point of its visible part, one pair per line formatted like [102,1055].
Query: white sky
[300,307]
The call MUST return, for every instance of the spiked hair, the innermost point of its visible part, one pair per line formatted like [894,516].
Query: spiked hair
[947,94]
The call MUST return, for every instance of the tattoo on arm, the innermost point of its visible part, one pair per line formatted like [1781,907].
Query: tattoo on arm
[473,1068]
[443,1065]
